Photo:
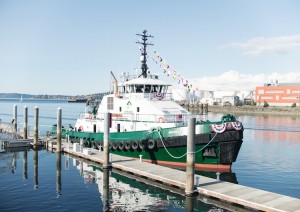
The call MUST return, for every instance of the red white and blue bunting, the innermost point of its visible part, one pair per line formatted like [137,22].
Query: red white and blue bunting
[218,128]
[236,125]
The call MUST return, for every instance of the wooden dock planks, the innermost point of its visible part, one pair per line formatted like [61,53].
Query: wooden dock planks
[234,193]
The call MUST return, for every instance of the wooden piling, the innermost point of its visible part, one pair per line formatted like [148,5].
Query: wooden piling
[25,127]
[106,162]
[190,158]
[36,126]
[59,127]
[205,108]
[15,116]
[201,109]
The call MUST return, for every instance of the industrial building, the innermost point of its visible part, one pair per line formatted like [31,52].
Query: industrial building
[283,94]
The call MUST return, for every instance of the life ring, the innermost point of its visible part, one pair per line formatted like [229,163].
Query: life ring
[121,145]
[127,145]
[80,128]
[134,145]
[143,144]
[161,119]
[151,144]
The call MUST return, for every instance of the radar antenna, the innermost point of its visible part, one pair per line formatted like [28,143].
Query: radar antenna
[144,66]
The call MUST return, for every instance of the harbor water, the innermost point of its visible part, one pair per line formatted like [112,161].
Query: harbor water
[35,180]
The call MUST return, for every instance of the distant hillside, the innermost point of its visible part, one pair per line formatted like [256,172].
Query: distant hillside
[14,95]
[45,96]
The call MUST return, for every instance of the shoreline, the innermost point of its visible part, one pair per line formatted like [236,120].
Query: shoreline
[291,111]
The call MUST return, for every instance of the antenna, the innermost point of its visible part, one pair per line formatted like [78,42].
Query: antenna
[144,66]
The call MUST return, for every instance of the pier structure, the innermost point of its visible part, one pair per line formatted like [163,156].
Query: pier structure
[246,198]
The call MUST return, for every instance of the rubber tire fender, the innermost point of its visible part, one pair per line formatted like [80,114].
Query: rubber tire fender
[114,145]
[127,145]
[134,145]
[151,144]
[143,144]
[121,145]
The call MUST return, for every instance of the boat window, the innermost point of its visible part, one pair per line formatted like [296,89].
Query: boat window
[139,88]
[154,88]
[160,89]
[147,88]
[138,109]
[131,89]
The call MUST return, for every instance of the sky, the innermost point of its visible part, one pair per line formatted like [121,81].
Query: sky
[69,47]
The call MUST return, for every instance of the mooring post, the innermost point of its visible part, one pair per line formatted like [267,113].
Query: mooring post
[106,161]
[36,126]
[190,158]
[201,109]
[25,127]
[58,145]
[205,108]
[15,115]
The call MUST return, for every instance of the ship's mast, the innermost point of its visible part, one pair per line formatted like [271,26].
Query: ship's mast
[144,66]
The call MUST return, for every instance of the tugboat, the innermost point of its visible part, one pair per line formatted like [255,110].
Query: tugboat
[146,121]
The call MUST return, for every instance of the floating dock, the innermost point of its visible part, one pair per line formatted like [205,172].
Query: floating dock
[233,193]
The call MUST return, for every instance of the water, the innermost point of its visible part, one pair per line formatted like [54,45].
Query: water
[268,160]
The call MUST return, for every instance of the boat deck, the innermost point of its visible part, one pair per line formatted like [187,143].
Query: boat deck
[233,193]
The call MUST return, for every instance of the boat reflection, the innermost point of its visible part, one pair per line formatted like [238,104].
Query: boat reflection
[120,193]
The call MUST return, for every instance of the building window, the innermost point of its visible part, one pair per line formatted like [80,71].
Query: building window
[110,103]
[261,91]
[120,109]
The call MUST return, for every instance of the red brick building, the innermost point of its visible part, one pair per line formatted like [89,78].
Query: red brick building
[284,94]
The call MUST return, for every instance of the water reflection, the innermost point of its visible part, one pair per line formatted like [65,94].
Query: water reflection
[35,169]
[58,174]
[120,193]
[105,193]
[190,203]
[25,176]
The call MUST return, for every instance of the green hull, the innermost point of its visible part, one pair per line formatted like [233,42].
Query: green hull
[168,146]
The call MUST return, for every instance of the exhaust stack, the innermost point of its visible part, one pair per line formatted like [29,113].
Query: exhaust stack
[115,83]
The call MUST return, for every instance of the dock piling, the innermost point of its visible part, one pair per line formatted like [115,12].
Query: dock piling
[15,115]
[106,161]
[25,127]
[190,158]
[36,126]
[59,126]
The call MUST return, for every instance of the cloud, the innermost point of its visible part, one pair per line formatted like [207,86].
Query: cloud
[271,45]
[233,80]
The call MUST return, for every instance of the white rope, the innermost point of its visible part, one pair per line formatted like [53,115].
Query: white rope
[177,157]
